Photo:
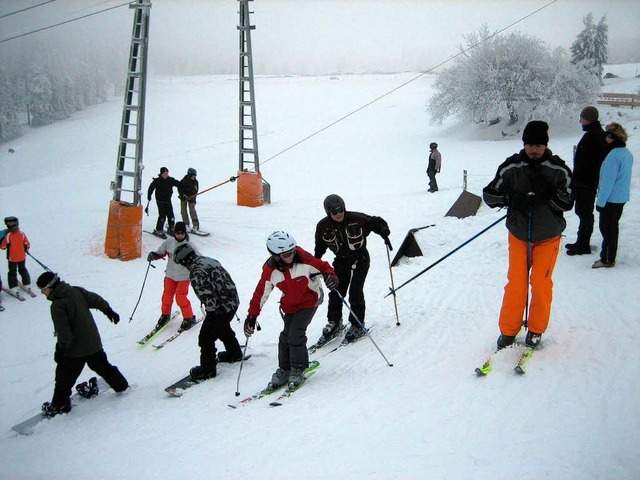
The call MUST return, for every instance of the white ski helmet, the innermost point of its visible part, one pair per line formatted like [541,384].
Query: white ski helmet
[280,242]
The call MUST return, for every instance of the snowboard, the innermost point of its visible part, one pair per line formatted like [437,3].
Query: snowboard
[28,426]
[151,232]
[201,233]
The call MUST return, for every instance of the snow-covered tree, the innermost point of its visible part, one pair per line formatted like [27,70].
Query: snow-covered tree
[590,48]
[512,76]
[40,98]
[11,99]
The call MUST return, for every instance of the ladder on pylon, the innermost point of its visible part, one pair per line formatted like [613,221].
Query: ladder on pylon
[248,135]
[129,163]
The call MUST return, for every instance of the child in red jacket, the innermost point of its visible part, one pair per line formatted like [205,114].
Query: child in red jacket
[17,245]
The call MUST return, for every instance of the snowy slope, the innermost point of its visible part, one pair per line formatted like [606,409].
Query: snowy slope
[575,414]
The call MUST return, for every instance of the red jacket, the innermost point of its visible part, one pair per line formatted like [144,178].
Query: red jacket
[300,288]
[17,244]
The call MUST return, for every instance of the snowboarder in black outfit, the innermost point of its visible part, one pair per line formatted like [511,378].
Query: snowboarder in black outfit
[78,342]
[163,185]
[345,234]
[215,289]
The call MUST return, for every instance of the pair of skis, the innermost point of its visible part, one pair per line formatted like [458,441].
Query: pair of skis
[17,295]
[155,331]
[520,367]
[284,389]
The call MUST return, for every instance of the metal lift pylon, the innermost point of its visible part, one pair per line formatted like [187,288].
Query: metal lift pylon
[124,227]
[253,191]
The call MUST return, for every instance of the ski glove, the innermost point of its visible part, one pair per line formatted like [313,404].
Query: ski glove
[146,210]
[599,209]
[113,316]
[152,256]
[58,355]
[331,281]
[388,243]
[543,189]
[522,202]
[249,325]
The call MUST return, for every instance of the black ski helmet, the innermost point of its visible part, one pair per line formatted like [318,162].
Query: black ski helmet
[184,254]
[192,171]
[433,145]
[11,221]
[333,202]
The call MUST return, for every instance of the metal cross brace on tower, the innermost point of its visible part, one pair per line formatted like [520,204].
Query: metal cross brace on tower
[129,163]
[248,135]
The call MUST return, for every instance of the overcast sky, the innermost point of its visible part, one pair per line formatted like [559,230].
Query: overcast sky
[321,36]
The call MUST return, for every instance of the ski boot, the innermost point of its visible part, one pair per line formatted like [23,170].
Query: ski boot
[505,341]
[354,332]
[198,373]
[226,357]
[50,411]
[532,340]
[162,321]
[329,332]
[187,323]
[296,378]
[279,378]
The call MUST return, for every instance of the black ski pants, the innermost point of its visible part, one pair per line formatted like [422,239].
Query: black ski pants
[165,211]
[292,344]
[217,327]
[609,228]
[351,277]
[14,269]
[585,200]
[69,369]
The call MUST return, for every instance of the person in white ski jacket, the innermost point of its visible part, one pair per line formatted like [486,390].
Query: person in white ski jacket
[176,280]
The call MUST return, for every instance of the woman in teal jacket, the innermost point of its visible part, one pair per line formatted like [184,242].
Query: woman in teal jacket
[613,192]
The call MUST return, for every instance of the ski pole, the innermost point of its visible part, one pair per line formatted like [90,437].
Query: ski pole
[244,353]
[141,290]
[526,306]
[395,301]
[393,291]
[40,263]
[367,334]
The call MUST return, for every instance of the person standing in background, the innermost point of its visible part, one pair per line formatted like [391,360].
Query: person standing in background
[433,167]
[613,192]
[590,153]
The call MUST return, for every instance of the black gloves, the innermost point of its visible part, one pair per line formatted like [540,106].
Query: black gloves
[152,256]
[146,210]
[112,316]
[58,355]
[599,209]
[249,325]
[543,188]
[331,281]
[388,243]
[522,202]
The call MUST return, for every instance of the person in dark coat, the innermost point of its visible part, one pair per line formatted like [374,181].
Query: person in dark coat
[163,186]
[79,342]
[590,153]
[536,186]
[188,190]
[345,234]
[217,292]
[433,166]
